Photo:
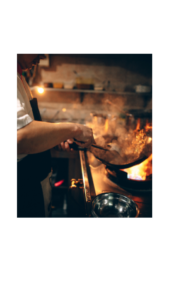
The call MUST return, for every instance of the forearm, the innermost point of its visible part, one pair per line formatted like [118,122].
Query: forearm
[40,136]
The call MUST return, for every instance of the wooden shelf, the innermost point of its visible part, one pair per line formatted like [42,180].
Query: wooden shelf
[92,91]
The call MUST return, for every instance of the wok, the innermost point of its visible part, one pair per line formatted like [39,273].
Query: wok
[101,150]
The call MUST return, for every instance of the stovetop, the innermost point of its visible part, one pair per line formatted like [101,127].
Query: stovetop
[100,183]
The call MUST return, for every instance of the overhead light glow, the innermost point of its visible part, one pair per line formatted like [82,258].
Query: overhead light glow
[40,90]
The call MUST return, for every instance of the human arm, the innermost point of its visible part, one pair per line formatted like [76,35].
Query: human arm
[40,136]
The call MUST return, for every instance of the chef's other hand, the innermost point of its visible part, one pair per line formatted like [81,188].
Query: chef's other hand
[65,145]
[84,139]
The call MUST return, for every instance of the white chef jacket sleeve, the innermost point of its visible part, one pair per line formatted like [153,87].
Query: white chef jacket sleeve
[24,110]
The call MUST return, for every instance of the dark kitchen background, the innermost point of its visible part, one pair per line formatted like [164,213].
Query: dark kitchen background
[89,89]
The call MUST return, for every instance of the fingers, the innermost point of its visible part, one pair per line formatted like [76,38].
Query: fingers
[65,147]
[70,141]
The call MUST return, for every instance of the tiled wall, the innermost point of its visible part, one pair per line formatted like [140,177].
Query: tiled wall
[120,72]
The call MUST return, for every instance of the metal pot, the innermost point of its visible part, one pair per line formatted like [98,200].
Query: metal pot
[114,205]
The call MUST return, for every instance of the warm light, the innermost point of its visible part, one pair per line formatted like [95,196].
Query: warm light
[40,90]
[148,127]
[138,125]
[63,109]
[106,125]
[149,140]
[141,171]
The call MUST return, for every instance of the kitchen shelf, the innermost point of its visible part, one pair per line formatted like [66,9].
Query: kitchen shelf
[92,91]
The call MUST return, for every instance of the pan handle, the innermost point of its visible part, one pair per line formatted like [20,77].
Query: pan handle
[74,146]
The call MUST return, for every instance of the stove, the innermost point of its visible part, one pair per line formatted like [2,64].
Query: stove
[97,180]
[120,177]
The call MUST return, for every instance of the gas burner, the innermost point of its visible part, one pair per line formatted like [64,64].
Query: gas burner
[120,178]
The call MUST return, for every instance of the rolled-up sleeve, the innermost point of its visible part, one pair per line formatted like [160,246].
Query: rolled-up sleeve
[24,110]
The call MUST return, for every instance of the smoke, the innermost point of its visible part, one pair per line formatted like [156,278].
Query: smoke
[124,139]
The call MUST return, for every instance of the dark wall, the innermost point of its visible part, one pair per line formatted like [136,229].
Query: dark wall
[139,63]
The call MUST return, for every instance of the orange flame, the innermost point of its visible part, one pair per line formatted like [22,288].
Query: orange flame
[138,125]
[106,125]
[141,171]
[148,127]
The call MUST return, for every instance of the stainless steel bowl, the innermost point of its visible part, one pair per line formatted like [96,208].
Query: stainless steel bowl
[114,205]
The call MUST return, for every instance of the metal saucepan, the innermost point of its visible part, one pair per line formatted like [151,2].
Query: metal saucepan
[114,205]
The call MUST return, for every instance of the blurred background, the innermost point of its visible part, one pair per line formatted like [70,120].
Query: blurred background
[73,87]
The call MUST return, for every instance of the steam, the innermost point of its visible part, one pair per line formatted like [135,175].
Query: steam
[126,142]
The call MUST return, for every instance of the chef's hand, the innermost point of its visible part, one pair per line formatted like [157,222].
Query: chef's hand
[65,145]
[85,138]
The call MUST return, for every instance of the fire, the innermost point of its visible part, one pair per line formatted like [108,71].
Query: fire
[140,141]
[141,171]
[106,125]
[131,143]
[138,125]
[148,127]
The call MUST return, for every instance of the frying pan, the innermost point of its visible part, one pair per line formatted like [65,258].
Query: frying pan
[117,166]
